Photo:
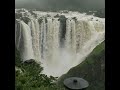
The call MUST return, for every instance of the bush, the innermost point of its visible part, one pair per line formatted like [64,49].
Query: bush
[30,78]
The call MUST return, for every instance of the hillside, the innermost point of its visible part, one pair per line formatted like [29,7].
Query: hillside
[92,69]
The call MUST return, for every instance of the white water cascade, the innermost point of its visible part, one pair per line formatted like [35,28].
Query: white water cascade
[40,39]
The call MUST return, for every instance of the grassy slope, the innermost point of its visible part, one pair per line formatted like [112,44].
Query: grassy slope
[92,69]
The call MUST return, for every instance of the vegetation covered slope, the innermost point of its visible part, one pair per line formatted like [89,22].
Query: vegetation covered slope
[92,69]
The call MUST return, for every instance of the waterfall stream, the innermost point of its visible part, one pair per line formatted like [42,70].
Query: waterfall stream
[41,38]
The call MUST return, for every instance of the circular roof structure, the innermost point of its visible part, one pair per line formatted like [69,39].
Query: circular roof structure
[75,83]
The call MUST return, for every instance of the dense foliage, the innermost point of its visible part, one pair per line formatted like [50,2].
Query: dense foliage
[28,76]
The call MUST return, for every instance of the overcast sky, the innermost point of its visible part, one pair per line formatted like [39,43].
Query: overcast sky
[60,4]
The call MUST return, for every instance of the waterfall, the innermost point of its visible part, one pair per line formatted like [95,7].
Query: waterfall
[24,41]
[34,28]
[41,38]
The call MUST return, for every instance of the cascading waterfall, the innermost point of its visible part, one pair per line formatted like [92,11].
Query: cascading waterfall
[23,41]
[40,39]
[34,27]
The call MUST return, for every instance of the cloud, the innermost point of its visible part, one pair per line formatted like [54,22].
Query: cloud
[60,4]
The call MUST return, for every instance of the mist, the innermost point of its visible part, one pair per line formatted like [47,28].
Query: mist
[60,4]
